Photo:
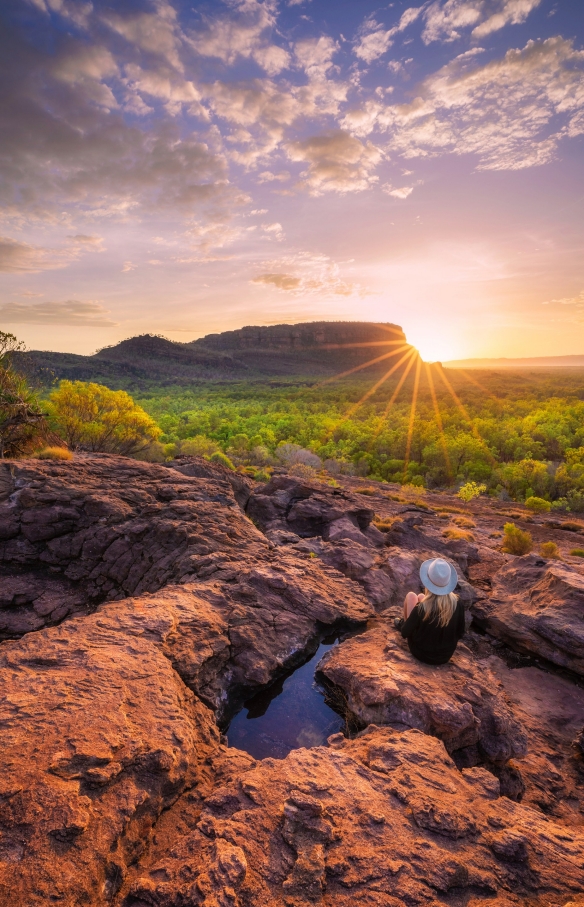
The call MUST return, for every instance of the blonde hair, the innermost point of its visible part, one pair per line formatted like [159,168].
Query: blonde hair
[438,607]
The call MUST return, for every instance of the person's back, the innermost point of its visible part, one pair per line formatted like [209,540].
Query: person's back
[433,622]
[430,640]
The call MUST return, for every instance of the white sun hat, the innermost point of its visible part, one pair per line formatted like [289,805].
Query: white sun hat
[438,576]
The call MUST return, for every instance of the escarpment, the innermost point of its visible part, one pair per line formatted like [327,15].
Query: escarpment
[141,604]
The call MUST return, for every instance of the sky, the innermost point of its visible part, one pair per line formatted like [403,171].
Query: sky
[187,168]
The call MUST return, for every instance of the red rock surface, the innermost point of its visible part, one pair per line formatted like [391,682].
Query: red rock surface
[386,819]
[537,606]
[461,702]
[163,606]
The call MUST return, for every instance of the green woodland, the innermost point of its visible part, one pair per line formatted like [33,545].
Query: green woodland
[522,435]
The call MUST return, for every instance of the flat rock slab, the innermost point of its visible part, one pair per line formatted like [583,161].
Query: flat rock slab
[537,606]
[384,820]
[461,702]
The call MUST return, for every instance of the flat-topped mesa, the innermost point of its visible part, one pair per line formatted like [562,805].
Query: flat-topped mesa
[313,335]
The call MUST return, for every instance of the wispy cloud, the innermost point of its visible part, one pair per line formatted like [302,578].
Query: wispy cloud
[72,312]
[306,274]
[446,20]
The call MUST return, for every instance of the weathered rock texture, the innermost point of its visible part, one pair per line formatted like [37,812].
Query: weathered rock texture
[537,606]
[158,606]
[386,819]
[461,702]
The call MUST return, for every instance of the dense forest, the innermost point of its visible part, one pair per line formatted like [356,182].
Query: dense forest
[519,433]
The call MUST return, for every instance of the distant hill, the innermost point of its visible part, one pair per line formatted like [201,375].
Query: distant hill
[534,362]
[302,351]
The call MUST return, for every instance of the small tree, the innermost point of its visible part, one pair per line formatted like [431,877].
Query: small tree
[93,417]
[22,423]
[515,540]
[471,490]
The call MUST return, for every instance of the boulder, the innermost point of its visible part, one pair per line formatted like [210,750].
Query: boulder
[461,702]
[537,606]
[383,820]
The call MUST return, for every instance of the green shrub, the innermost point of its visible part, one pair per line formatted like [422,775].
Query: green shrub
[471,490]
[549,549]
[54,453]
[515,540]
[538,505]
[577,552]
[220,458]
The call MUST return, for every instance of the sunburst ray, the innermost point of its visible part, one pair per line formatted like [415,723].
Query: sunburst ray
[412,415]
[438,419]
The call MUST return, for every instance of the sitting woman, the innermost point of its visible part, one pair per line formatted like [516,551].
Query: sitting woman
[434,621]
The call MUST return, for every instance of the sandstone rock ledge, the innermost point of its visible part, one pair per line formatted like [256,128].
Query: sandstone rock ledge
[385,820]
[461,702]
[537,606]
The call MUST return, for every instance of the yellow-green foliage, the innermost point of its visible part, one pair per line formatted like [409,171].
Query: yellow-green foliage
[577,552]
[549,549]
[538,505]
[93,417]
[458,534]
[471,490]
[515,540]
[199,446]
[54,453]
[221,459]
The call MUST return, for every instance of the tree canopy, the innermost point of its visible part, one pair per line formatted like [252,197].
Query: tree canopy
[94,418]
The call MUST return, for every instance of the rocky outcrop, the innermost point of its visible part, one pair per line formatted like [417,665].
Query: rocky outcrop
[309,509]
[386,819]
[461,702]
[159,606]
[98,736]
[537,606]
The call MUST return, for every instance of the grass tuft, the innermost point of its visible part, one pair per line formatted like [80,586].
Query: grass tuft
[55,453]
[549,549]
[455,534]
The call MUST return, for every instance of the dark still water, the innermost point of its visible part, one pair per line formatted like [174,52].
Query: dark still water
[289,714]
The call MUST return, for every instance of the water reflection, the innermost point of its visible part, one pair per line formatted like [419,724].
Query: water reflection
[289,714]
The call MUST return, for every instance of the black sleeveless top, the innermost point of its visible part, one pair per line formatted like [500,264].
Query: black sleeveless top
[428,641]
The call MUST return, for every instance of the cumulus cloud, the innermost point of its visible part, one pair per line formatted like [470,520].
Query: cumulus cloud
[501,111]
[337,162]
[72,312]
[374,40]
[445,20]
[156,32]
[315,55]
[306,274]
[243,32]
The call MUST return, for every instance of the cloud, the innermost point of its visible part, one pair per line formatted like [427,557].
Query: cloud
[501,111]
[337,162]
[306,274]
[315,55]
[72,312]
[157,33]
[20,258]
[402,192]
[242,33]
[374,40]
[445,21]
[280,281]
[567,300]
